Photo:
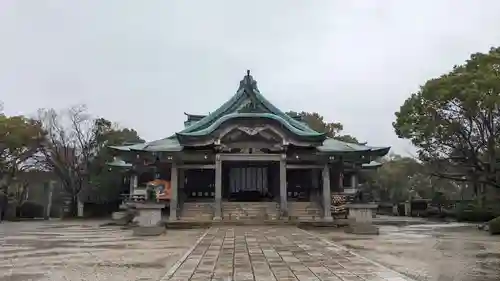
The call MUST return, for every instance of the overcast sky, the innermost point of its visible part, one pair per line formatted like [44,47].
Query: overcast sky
[144,63]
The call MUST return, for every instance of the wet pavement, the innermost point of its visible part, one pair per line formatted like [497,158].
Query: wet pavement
[74,251]
[57,250]
[268,253]
[429,251]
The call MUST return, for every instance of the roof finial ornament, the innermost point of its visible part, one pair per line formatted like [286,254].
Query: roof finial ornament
[248,82]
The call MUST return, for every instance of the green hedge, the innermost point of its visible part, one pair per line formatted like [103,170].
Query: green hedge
[30,209]
[494,225]
[473,213]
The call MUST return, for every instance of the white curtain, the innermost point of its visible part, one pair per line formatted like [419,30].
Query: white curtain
[248,179]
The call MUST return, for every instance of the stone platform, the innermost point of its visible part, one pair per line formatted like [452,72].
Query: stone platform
[188,224]
[361,219]
[149,218]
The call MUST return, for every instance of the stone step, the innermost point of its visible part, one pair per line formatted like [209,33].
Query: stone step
[305,218]
[201,213]
[292,213]
[196,218]
[248,206]
[309,210]
[304,211]
[195,211]
[249,211]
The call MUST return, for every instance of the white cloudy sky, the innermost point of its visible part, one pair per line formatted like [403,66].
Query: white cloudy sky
[144,63]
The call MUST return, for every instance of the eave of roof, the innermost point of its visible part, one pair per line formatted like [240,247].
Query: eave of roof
[170,144]
[119,163]
[335,146]
[371,165]
[167,145]
[380,151]
[138,146]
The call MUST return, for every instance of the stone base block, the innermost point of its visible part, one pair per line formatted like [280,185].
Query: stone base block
[362,228]
[148,230]
[118,215]
[328,218]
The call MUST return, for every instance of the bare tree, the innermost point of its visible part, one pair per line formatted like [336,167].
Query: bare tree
[73,140]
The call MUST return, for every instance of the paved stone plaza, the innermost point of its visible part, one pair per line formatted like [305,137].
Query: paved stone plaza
[273,253]
[58,250]
[428,251]
[77,251]
[84,251]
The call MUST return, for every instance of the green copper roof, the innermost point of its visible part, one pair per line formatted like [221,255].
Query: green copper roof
[138,146]
[329,146]
[119,163]
[248,102]
[247,99]
[371,165]
[378,151]
[192,118]
[227,117]
[333,145]
[166,144]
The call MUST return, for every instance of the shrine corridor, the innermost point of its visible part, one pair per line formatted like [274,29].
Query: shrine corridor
[272,253]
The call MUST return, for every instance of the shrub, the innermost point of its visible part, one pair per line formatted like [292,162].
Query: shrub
[473,213]
[434,212]
[99,210]
[31,209]
[494,225]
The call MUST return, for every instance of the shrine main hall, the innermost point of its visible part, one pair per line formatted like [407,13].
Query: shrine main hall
[248,153]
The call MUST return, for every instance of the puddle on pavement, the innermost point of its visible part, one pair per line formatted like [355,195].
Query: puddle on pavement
[21,277]
[406,235]
[40,244]
[488,255]
[152,265]
[355,247]
[340,239]
[108,246]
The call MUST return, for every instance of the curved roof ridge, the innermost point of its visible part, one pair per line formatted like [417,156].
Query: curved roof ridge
[248,87]
[282,114]
[230,116]
[209,118]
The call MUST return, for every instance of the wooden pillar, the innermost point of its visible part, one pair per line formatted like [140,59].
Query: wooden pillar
[182,179]
[218,188]
[132,184]
[354,181]
[327,196]
[283,191]
[341,181]
[173,191]
[180,188]
[315,184]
